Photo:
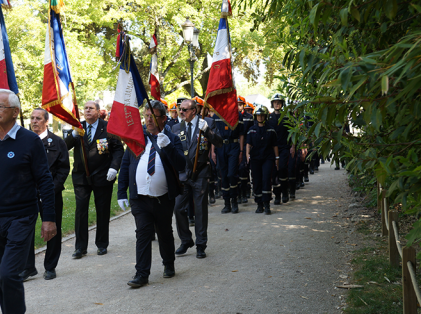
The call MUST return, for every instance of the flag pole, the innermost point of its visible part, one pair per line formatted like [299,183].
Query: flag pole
[82,142]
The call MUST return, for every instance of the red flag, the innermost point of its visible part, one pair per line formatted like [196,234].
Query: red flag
[153,74]
[221,93]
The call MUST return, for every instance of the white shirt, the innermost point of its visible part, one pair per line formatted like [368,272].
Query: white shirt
[155,185]
[12,132]
[193,125]
[179,119]
[43,134]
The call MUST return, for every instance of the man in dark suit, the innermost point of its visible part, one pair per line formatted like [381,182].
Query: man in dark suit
[153,185]
[59,165]
[104,155]
[195,184]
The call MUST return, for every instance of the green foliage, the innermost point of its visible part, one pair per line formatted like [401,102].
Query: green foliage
[355,63]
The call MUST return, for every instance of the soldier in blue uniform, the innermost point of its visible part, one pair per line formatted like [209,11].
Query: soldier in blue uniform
[286,150]
[244,171]
[262,153]
[229,157]
[174,115]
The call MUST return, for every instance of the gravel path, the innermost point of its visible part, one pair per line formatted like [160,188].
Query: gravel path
[289,262]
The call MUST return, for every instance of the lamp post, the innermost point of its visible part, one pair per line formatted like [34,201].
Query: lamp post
[191,38]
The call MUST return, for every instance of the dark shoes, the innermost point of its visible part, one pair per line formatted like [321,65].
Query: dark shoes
[200,253]
[191,222]
[285,198]
[169,271]
[259,209]
[138,281]
[311,171]
[302,184]
[212,199]
[183,248]
[292,197]
[267,208]
[101,251]
[227,208]
[277,200]
[337,168]
[50,274]
[306,179]
[28,273]
[79,253]
[234,206]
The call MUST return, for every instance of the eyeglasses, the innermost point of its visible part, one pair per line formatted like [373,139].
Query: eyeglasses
[185,109]
[4,107]
[149,116]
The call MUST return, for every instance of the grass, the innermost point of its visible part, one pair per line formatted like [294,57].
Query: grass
[69,208]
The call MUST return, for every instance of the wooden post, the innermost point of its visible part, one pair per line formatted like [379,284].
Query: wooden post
[394,257]
[379,206]
[409,297]
[384,213]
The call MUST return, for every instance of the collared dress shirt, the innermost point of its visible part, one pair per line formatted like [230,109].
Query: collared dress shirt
[155,185]
[43,134]
[12,132]
[93,130]
[193,125]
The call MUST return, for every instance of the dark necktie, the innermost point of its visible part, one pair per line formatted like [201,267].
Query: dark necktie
[89,135]
[151,162]
[189,132]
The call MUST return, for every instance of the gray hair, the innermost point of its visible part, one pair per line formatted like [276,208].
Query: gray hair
[45,112]
[94,102]
[13,99]
[156,104]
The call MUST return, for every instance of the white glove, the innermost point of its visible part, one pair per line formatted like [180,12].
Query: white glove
[75,133]
[162,140]
[124,204]
[203,125]
[111,174]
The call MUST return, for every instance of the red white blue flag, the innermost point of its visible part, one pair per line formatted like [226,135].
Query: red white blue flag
[58,95]
[130,93]
[7,72]
[221,93]
[153,74]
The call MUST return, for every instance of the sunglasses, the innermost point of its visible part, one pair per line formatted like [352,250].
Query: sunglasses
[185,109]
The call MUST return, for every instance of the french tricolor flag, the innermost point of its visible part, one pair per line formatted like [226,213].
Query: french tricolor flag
[153,74]
[130,93]
[221,93]
[7,72]
[58,95]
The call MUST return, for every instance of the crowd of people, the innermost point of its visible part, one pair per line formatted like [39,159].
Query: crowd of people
[191,158]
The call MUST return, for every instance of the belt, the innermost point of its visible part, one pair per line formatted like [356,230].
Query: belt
[228,141]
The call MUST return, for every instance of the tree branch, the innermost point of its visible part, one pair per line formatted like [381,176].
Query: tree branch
[178,86]
[173,61]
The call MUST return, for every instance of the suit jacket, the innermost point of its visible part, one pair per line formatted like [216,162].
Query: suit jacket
[210,136]
[58,159]
[98,161]
[171,157]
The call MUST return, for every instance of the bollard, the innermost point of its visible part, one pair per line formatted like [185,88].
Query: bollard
[409,296]
[394,256]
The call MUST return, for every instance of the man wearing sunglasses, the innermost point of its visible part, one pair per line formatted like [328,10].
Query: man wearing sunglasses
[195,184]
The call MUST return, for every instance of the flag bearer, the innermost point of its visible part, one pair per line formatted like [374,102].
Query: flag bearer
[262,153]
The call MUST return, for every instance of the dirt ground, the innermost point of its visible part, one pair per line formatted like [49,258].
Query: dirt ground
[288,262]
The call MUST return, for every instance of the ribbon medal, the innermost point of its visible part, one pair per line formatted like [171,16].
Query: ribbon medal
[102,145]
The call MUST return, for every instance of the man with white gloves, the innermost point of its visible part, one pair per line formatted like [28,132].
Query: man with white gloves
[104,154]
[196,183]
[153,185]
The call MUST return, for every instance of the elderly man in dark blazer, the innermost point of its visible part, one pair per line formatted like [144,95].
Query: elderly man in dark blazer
[153,184]
[195,184]
[104,154]
[59,165]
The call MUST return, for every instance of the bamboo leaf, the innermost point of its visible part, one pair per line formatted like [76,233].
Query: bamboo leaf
[385,84]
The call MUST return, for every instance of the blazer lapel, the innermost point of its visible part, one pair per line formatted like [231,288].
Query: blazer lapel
[193,141]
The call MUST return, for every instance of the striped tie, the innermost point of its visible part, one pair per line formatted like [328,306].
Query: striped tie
[151,162]
[89,135]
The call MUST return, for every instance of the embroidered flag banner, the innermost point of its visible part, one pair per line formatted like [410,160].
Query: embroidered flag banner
[221,93]
[58,95]
[153,71]
[130,93]
[7,72]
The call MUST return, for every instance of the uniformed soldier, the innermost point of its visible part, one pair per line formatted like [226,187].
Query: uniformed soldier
[174,115]
[262,153]
[286,150]
[229,157]
[244,171]
[248,107]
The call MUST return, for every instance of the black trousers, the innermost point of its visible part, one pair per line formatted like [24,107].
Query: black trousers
[149,212]
[16,234]
[261,171]
[284,156]
[199,190]
[102,195]
[53,252]
[227,164]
